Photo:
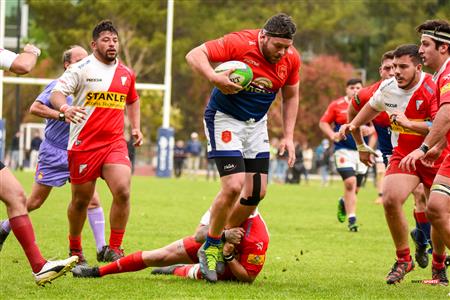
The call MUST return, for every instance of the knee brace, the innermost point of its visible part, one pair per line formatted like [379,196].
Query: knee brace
[255,198]
[441,188]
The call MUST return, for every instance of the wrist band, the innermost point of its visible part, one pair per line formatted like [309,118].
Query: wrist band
[228,258]
[424,148]
[361,147]
[34,50]
[64,107]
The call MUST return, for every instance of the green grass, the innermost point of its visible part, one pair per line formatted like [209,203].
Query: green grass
[311,255]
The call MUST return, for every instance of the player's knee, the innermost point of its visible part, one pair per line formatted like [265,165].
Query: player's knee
[122,194]
[16,200]
[390,202]
[233,188]
[434,211]
[34,203]
[350,185]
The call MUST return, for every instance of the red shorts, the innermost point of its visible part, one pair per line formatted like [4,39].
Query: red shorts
[425,174]
[191,247]
[444,170]
[85,166]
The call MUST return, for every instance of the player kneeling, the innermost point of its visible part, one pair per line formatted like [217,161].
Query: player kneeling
[244,254]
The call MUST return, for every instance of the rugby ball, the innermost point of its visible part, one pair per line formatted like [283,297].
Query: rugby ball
[242,74]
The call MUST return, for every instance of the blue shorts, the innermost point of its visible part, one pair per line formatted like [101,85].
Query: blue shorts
[52,168]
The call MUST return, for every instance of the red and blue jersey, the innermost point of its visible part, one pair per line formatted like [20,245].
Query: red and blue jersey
[381,123]
[253,102]
[442,79]
[337,113]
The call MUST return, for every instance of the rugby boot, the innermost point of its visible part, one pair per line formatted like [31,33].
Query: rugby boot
[341,214]
[353,227]
[440,274]
[220,265]
[447,261]
[101,254]
[421,254]
[112,254]
[54,269]
[3,235]
[399,271]
[169,270]
[81,260]
[208,261]
[84,271]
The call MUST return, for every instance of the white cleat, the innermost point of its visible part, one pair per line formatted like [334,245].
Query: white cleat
[54,269]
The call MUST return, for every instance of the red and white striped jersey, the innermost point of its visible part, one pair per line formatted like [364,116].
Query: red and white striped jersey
[103,90]
[6,58]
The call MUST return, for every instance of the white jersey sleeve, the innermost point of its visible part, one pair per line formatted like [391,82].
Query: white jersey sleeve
[377,100]
[6,58]
[69,82]
[205,218]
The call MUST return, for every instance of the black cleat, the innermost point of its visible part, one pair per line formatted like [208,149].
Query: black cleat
[112,254]
[3,235]
[441,275]
[169,270]
[421,254]
[447,261]
[101,254]
[85,271]
[398,271]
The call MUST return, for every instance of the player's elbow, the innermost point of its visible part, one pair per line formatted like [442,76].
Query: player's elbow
[33,109]
[21,68]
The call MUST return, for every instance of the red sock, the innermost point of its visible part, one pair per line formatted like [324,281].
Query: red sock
[438,260]
[23,230]
[129,263]
[183,271]
[403,255]
[420,217]
[75,243]
[116,237]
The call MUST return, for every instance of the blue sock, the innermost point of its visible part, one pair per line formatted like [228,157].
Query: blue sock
[212,241]
[352,220]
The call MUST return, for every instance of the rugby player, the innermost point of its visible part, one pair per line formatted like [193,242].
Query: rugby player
[409,100]
[13,195]
[236,122]
[102,87]
[244,254]
[435,52]
[52,169]
[348,165]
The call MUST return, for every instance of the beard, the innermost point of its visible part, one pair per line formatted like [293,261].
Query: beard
[267,55]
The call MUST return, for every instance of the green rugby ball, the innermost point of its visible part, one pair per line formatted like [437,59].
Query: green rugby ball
[242,75]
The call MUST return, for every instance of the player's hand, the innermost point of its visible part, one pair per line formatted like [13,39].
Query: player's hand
[431,156]
[224,84]
[408,163]
[29,48]
[228,249]
[138,137]
[287,145]
[75,114]
[344,130]
[234,235]
[399,118]
[366,158]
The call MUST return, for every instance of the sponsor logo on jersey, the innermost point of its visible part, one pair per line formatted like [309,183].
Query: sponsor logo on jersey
[251,43]
[260,85]
[81,168]
[251,62]
[123,79]
[418,104]
[226,136]
[40,175]
[229,167]
[93,79]
[260,245]
[446,77]
[445,89]
[282,71]
[256,259]
[106,100]
[392,105]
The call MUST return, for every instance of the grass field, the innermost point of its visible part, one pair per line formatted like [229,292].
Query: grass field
[311,255]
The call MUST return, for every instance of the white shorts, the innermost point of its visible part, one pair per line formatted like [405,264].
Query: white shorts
[379,158]
[349,159]
[230,137]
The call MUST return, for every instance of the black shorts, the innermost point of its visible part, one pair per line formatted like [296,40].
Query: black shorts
[232,165]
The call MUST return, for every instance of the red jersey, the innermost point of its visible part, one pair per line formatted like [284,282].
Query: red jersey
[442,79]
[418,104]
[254,101]
[363,96]
[103,90]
